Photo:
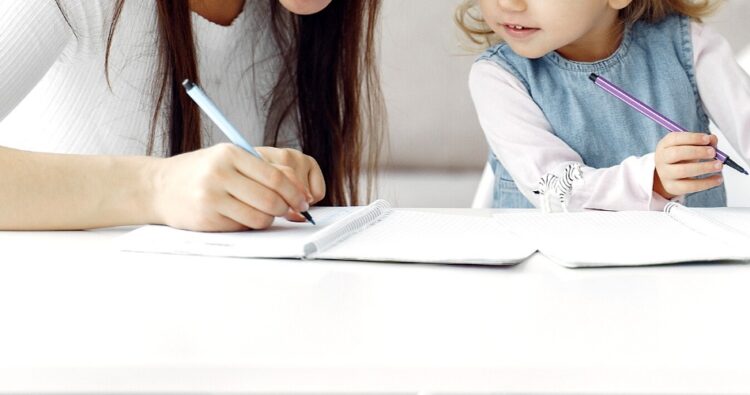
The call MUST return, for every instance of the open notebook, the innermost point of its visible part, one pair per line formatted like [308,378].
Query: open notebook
[369,233]
[601,238]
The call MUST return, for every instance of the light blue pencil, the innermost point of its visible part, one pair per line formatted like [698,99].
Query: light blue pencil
[209,107]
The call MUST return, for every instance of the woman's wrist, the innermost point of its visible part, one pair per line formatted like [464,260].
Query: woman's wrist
[145,196]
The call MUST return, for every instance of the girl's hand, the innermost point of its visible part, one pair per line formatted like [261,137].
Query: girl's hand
[224,188]
[678,159]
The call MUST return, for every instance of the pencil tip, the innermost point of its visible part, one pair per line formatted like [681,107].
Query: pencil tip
[308,217]
[729,162]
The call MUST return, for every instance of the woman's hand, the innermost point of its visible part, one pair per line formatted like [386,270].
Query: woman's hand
[301,167]
[224,188]
[680,156]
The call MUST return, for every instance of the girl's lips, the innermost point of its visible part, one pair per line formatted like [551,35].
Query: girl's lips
[518,31]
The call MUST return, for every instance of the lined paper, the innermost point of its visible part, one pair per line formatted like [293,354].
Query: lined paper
[599,238]
[415,236]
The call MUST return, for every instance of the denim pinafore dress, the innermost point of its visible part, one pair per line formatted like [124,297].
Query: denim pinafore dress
[654,63]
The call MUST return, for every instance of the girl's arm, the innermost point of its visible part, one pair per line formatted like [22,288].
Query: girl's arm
[723,86]
[522,139]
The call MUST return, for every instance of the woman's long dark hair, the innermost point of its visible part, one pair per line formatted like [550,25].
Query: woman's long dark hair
[328,86]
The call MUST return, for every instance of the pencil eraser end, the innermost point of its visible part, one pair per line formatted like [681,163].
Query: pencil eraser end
[187,84]
[593,77]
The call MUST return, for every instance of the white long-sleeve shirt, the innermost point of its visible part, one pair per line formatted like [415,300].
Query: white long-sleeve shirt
[524,142]
[54,96]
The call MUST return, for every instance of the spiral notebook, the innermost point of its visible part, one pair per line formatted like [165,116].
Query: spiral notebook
[369,233]
[634,238]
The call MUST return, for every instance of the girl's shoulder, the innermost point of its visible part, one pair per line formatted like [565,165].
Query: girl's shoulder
[674,27]
[500,51]
[503,56]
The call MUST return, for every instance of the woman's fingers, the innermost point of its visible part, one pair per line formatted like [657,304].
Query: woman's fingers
[317,182]
[255,195]
[224,188]
[246,216]
[273,178]
[294,216]
[304,167]
[297,180]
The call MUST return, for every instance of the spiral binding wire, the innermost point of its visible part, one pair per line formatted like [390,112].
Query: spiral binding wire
[346,227]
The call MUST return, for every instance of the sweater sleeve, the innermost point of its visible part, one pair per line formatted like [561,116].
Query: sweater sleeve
[724,87]
[522,139]
[33,35]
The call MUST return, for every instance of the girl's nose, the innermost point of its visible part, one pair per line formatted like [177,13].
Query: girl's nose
[512,5]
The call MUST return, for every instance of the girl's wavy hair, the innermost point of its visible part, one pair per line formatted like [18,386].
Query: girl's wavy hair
[327,86]
[469,19]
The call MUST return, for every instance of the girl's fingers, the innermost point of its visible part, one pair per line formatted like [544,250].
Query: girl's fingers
[685,138]
[691,185]
[689,170]
[681,156]
[684,153]
[714,140]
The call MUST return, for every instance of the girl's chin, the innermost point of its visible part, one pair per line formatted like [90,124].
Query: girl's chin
[527,51]
[305,7]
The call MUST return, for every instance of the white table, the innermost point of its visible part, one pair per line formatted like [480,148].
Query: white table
[78,315]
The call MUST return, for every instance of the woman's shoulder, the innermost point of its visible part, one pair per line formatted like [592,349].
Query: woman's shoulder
[91,20]
[94,17]
[83,14]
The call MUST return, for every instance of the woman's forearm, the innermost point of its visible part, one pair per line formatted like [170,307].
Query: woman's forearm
[43,191]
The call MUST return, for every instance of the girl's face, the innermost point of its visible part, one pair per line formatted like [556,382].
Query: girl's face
[583,30]
[305,7]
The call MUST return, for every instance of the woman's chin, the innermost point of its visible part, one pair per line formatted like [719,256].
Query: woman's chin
[305,7]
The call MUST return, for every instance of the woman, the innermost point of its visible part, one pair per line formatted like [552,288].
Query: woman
[102,133]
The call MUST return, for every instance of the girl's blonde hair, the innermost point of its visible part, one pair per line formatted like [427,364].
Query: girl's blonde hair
[469,18]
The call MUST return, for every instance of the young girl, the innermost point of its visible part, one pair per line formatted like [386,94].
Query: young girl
[539,110]
[96,130]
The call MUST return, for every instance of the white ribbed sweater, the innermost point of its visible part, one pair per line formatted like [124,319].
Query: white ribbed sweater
[54,96]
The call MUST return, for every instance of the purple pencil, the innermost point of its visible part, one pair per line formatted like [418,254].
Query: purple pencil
[654,115]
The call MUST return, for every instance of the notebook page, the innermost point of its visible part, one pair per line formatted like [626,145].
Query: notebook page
[415,236]
[597,238]
[284,239]
[735,220]
[710,225]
